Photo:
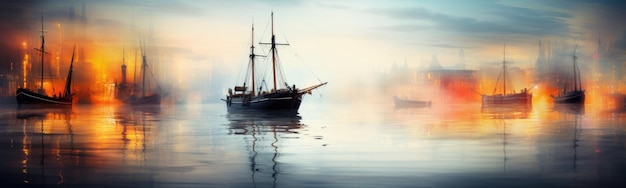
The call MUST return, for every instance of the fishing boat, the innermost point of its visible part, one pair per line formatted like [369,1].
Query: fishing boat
[287,98]
[506,97]
[408,103]
[572,91]
[39,98]
[146,98]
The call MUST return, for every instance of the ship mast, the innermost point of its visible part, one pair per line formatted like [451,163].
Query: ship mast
[504,68]
[123,68]
[135,73]
[273,49]
[577,84]
[42,55]
[252,59]
[143,71]
[580,86]
[575,74]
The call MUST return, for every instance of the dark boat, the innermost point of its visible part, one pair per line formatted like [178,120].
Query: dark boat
[577,96]
[572,92]
[523,97]
[277,99]
[407,103]
[152,98]
[40,98]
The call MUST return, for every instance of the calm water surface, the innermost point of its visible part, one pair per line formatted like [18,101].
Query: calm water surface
[326,145]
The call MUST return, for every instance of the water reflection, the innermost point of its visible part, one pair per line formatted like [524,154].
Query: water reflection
[570,108]
[206,146]
[571,118]
[506,111]
[500,114]
[139,152]
[25,113]
[504,134]
[577,124]
[62,146]
[42,138]
[265,131]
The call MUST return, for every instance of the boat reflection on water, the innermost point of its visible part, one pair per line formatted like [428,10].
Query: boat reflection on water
[506,111]
[263,132]
[577,124]
[500,114]
[148,109]
[574,108]
[58,146]
[501,122]
[25,112]
[571,116]
[45,131]
[138,124]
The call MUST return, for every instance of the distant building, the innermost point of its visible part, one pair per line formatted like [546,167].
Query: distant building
[451,85]
[8,84]
[456,85]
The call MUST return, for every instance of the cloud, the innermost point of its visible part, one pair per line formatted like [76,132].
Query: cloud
[332,5]
[571,4]
[444,45]
[492,19]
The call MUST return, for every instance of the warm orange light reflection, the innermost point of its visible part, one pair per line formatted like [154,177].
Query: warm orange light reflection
[121,130]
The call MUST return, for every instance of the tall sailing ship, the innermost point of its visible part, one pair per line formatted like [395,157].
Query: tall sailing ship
[288,98]
[572,92]
[524,97]
[147,97]
[25,96]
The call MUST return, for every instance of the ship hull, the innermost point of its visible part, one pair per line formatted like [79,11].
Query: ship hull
[27,97]
[270,102]
[570,97]
[147,100]
[403,103]
[517,98]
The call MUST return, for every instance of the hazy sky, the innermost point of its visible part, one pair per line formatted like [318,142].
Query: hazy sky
[334,39]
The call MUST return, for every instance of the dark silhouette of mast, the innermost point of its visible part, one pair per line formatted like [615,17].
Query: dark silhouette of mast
[504,69]
[273,49]
[143,71]
[135,74]
[577,81]
[495,89]
[41,49]
[123,68]
[252,59]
